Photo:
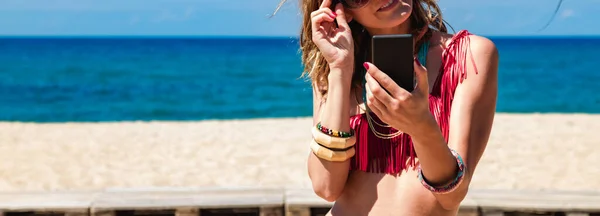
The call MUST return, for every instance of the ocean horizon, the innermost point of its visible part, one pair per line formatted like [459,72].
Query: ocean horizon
[189,36]
[182,78]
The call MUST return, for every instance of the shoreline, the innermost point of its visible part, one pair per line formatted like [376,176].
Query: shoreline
[269,118]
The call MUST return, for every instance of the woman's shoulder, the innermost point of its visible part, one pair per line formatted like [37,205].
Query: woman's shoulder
[465,52]
[478,45]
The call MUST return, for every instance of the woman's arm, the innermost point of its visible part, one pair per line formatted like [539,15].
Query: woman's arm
[471,120]
[329,178]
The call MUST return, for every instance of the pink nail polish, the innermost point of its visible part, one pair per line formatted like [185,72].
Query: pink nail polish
[366,66]
[334,14]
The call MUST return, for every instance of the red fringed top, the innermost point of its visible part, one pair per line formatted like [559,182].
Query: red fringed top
[397,154]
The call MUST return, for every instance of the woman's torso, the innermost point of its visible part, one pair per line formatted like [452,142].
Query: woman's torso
[385,194]
[399,194]
[382,194]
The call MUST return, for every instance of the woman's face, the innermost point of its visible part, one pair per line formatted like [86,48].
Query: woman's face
[382,14]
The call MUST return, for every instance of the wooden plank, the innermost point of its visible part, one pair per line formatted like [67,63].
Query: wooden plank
[68,202]
[297,211]
[495,213]
[577,214]
[271,211]
[304,198]
[87,213]
[104,213]
[187,212]
[300,201]
[30,213]
[228,212]
[468,207]
[536,201]
[534,214]
[468,212]
[155,199]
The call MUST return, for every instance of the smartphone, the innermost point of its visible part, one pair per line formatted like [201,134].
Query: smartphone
[393,55]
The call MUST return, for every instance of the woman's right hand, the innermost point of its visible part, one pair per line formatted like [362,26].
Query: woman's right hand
[334,42]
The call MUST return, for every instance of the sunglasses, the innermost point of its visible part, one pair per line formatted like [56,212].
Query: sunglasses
[352,4]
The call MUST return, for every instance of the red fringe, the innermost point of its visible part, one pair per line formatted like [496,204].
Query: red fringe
[380,155]
[397,154]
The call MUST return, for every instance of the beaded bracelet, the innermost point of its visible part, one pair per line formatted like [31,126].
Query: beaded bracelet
[331,142]
[453,185]
[335,133]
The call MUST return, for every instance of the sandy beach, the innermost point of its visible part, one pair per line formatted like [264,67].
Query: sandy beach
[526,151]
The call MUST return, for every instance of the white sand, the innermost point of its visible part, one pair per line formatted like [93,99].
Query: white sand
[558,152]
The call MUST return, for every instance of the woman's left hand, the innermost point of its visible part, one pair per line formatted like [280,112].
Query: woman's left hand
[402,110]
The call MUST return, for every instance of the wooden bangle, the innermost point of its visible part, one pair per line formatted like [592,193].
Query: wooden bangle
[332,142]
[330,155]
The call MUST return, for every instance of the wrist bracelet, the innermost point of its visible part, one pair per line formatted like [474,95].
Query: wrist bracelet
[331,155]
[334,133]
[334,143]
[449,187]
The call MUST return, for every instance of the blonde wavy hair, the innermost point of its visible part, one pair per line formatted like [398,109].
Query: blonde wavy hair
[426,15]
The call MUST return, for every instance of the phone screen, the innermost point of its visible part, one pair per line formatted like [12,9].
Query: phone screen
[393,55]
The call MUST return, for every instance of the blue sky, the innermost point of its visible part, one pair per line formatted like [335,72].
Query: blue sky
[250,17]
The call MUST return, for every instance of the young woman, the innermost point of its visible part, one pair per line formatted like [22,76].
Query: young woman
[401,153]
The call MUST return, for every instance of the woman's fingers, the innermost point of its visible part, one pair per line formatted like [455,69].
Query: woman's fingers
[322,19]
[374,105]
[341,16]
[326,4]
[383,87]
[321,11]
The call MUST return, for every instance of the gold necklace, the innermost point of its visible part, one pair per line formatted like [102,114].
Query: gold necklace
[379,134]
[370,121]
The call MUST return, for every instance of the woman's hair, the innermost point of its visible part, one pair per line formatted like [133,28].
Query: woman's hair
[426,15]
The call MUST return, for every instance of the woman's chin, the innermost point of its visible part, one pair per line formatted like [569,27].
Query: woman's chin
[391,22]
[393,18]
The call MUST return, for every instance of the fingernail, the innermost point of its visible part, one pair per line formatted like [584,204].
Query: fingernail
[334,14]
[418,62]
[366,65]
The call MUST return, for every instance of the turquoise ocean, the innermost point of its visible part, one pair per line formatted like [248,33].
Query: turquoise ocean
[64,79]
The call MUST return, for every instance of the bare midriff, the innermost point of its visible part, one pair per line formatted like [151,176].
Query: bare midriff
[382,194]
[385,194]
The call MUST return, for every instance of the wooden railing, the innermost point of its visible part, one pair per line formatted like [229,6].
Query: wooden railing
[270,202]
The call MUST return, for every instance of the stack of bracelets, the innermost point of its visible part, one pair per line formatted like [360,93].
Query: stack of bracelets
[338,146]
[332,145]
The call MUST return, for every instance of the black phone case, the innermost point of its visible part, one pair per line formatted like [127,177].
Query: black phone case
[393,55]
